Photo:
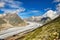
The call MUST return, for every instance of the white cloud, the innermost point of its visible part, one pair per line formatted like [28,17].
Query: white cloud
[47,9]
[35,11]
[13,10]
[56,1]
[15,5]
[2,4]
[58,8]
[50,13]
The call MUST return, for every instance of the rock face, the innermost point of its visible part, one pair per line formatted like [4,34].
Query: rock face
[10,20]
[13,19]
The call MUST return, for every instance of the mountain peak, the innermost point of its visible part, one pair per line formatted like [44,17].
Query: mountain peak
[50,13]
[10,20]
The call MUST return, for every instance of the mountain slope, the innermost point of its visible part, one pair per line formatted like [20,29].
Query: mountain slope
[2,21]
[10,20]
[49,31]
[13,19]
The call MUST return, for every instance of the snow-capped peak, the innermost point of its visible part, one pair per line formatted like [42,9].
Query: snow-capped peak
[52,14]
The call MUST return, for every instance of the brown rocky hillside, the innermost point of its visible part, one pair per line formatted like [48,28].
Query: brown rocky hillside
[11,20]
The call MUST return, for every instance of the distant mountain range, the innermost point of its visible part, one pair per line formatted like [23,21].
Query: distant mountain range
[49,15]
[10,20]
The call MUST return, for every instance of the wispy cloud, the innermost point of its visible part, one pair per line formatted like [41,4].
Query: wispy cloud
[35,11]
[13,10]
[15,5]
[56,1]
[58,8]
[47,9]
[31,13]
[2,4]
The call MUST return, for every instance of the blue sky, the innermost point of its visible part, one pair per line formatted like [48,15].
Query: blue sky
[38,4]
[28,8]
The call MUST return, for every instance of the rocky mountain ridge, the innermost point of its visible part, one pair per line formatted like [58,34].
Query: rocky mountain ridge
[10,20]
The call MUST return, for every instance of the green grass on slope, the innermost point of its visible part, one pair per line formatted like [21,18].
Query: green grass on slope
[50,31]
